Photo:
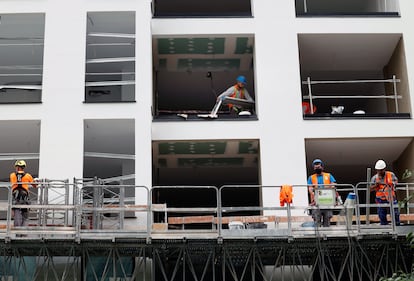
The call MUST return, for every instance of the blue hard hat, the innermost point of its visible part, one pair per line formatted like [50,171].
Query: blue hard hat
[317,161]
[241,79]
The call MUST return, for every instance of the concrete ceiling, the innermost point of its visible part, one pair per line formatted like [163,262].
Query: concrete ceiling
[346,52]
[356,151]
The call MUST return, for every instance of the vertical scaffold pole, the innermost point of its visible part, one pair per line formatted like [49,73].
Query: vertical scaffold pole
[310,94]
[394,83]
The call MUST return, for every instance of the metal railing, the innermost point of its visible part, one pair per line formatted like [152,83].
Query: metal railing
[311,96]
[89,209]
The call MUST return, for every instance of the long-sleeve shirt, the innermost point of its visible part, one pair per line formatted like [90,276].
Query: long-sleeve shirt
[234,89]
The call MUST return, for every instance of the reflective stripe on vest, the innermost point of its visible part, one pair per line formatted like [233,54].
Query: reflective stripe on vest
[238,93]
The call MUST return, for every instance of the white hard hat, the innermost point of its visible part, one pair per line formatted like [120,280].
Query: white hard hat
[380,165]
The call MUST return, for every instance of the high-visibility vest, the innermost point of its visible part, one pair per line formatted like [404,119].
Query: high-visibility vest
[20,180]
[383,190]
[326,178]
[237,93]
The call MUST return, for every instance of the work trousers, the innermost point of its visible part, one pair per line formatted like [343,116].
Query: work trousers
[383,211]
[20,197]
[322,217]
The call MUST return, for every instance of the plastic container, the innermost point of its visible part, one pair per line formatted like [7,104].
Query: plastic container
[256,225]
[236,225]
[350,207]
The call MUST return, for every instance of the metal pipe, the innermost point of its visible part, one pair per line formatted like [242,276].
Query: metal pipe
[353,97]
[310,94]
[368,196]
[394,82]
[350,81]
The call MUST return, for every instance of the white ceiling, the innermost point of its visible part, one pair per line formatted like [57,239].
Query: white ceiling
[346,52]
[356,151]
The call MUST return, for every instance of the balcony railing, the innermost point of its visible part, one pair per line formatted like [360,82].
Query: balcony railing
[364,97]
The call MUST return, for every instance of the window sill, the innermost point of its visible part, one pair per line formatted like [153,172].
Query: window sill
[328,116]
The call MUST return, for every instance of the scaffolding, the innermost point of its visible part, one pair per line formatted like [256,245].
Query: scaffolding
[62,243]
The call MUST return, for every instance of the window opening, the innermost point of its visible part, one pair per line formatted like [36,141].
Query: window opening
[353,76]
[190,73]
[110,57]
[21,53]
[347,8]
[201,8]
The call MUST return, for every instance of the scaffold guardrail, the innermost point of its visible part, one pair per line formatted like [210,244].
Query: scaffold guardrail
[88,209]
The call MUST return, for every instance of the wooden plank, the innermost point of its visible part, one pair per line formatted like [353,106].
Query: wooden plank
[246,219]
[225,220]
[190,219]
[159,227]
[159,207]
[109,206]
[295,219]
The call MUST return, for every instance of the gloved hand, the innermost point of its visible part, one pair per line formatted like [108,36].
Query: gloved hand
[339,200]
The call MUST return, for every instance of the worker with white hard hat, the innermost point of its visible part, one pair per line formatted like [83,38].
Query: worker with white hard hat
[383,183]
[20,183]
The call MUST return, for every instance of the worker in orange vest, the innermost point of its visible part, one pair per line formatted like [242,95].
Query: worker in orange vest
[320,179]
[383,183]
[20,181]
[236,91]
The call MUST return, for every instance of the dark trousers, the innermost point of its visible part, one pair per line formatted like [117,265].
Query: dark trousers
[383,211]
[322,217]
[20,197]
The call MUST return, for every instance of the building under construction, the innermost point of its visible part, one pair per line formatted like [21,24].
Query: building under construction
[112,106]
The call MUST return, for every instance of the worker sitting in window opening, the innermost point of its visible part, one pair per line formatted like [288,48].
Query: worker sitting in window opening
[383,183]
[320,180]
[238,91]
[20,181]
